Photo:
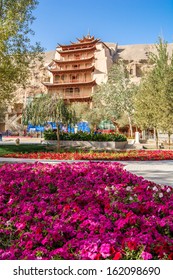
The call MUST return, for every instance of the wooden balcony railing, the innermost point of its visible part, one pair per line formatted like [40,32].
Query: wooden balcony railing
[75,58]
[72,81]
[75,95]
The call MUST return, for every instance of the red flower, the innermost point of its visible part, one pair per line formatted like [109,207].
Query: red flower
[132,245]
[170,256]
[117,256]
[66,207]
[112,250]
[97,257]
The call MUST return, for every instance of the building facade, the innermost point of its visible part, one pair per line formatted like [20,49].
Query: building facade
[77,68]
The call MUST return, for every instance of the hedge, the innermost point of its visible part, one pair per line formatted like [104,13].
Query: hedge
[84,136]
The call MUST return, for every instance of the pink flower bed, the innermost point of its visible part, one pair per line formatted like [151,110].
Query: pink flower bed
[83,211]
[123,155]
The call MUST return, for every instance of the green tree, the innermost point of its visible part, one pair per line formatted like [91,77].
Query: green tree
[154,100]
[84,112]
[49,108]
[114,98]
[166,122]
[16,50]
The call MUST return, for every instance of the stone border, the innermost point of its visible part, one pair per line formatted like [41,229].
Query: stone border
[90,144]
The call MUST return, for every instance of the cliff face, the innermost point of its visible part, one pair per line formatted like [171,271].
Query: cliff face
[138,52]
[136,58]
[11,118]
[34,85]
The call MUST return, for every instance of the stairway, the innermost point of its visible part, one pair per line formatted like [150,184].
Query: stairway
[12,123]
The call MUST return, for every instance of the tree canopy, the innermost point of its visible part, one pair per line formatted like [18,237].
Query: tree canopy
[154,100]
[114,99]
[16,50]
[49,107]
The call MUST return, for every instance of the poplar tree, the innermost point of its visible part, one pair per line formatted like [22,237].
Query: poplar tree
[154,100]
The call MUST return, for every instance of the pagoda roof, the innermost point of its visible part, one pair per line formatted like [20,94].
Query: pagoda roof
[69,84]
[74,70]
[76,50]
[73,61]
[79,44]
[87,38]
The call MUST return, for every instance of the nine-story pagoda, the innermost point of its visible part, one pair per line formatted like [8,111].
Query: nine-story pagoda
[77,68]
[72,70]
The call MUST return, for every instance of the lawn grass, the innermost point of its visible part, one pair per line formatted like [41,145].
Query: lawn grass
[23,148]
[31,148]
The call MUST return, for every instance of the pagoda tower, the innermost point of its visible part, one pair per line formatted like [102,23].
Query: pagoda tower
[72,70]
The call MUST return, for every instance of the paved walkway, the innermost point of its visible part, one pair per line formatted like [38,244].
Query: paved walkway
[160,172]
[23,140]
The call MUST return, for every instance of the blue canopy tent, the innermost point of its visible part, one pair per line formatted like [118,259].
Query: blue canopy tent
[81,126]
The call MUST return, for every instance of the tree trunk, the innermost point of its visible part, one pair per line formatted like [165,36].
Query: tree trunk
[157,138]
[58,136]
[169,139]
[130,126]
[116,124]
[95,126]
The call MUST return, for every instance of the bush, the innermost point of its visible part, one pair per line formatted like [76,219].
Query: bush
[50,135]
[84,136]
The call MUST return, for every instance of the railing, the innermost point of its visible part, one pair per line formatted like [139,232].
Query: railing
[75,58]
[81,67]
[75,95]
[72,81]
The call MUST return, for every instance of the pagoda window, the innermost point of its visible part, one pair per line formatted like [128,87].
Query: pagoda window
[87,64]
[77,56]
[63,77]
[74,78]
[57,78]
[76,66]
[77,89]
[69,90]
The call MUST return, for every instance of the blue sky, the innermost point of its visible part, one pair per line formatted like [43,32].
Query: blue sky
[119,21]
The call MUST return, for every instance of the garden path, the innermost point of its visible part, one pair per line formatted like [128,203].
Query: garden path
[160,172]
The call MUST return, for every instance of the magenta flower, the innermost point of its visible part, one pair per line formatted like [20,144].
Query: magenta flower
[82,211]
[146,255]
[105,250]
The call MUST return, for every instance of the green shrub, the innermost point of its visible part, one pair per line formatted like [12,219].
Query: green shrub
[84,136]
[50,135]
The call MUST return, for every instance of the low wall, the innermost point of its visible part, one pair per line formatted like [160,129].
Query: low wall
[90,144]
